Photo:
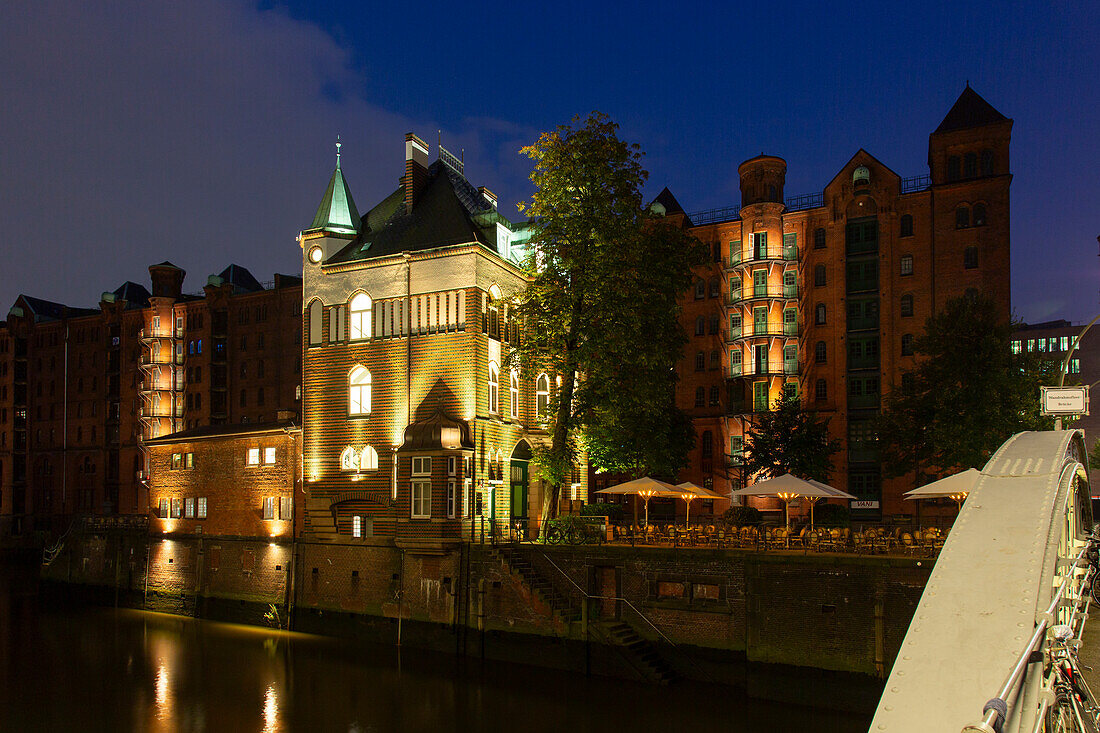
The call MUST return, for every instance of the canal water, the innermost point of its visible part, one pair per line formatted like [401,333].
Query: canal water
[94,669]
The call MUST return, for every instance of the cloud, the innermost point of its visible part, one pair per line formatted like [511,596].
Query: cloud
[200,132]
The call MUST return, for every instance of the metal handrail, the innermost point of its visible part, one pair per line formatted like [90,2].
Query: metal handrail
[1014,678]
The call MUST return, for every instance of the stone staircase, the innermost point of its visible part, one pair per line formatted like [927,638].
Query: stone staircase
[639,653]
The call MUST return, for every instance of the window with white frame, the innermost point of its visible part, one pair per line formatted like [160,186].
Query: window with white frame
[189,508]
[269,456]
[253,458]
[286,508]
[368,459]
[542,396]
[359,389]
[359,314]
[177,508]
[452,498]
[513,394]
[356,526]
[313,315]
[269,507]
[200,507]
[163,513]
[421,485]
[349,459]
[494,388]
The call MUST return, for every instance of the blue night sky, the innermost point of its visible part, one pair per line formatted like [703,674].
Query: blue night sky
[202,132]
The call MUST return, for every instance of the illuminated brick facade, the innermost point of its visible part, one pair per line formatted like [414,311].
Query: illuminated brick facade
[227,481]
[80,388]
[412,429]
[823,293]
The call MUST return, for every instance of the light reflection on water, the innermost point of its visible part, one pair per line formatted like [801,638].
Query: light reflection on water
[104,670]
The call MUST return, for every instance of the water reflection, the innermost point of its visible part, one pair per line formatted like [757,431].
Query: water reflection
[100,670]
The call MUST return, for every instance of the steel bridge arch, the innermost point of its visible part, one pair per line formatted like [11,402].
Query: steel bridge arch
[997,573]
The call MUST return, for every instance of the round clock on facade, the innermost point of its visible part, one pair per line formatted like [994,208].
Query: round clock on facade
[315,255]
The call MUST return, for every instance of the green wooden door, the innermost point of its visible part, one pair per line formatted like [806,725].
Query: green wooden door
[518,483]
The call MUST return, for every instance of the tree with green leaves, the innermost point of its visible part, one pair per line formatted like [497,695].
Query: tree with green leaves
[789,439]
[600,311]
[1094,455]
[967,394]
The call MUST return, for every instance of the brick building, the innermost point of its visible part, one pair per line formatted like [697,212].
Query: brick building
[82,388]
[412,429]
[824,293]
[241,481]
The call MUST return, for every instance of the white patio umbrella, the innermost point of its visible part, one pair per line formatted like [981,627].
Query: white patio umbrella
[789,487]
[689,491]
[956,487]
[645,487]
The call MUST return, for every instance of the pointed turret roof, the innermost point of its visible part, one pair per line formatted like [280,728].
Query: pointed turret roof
[970,110]
[337,211]
[667,200]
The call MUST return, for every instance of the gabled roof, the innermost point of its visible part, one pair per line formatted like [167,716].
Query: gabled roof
[442,216]
[135,295]
[219,431]
[337,211]
[47,310]
[241,279]
[970,110]
[858,153]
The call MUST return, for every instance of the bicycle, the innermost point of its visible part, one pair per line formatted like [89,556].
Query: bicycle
[1075,708]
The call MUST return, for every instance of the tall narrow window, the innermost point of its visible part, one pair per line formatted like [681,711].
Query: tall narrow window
[906,265]
[906,305]
[819,276]
[421,487]
[819,314]
[962,217]
[542,396]
[368,459]
[821,390]
[819,352]
[314,316]
[494,388]
[970,258]
[970,165]
[979,215]
[359,389]
[513,394]
[987,162]
[907,344]
[907,225]
[359,312]
[953,168]
[819,238]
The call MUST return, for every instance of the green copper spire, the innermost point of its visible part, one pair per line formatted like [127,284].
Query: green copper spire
[337,211]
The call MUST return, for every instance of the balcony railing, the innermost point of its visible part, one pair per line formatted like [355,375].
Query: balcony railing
[756,330]
[789,292]
[781,253]
[732,334]
[790,366]
[916,183]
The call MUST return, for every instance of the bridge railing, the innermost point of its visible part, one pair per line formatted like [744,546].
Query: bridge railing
[997,708]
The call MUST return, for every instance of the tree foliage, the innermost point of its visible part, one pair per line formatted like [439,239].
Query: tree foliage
[790,440]
[967,394]
[600,311]
[1094,455]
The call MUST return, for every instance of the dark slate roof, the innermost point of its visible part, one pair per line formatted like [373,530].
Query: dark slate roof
[166,263]
[667,200]
[439,432]
[49,310]
[442,216]
[970,110]
[241,279]
[135,295]
[217,431]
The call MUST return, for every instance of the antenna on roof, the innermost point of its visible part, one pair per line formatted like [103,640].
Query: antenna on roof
[338,144]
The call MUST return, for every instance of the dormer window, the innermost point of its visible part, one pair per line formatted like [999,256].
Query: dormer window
[861,176]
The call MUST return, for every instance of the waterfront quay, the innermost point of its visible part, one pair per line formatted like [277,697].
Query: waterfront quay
[733,616]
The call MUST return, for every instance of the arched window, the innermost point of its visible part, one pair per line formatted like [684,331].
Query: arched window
[349,459]
[906,305]
[953,168]
[715,287]
[359,314]
[368,459]
[907,225]
[819,276]
[962,217]
[359,388]
[314,316]
[970,165]
[513,394]
[707,444]
[819,238]
[700,326]
[819,314]
[987,162]
[191,348]
[907,344]
[819,352]
[494,388]
[542,396]
[979,215]
[700,289]
[821,390]
[199,345]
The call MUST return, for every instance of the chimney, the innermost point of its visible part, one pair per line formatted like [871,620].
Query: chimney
[488,196]
[416,169]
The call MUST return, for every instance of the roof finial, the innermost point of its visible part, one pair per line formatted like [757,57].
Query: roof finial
[967,83]
[338,144]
